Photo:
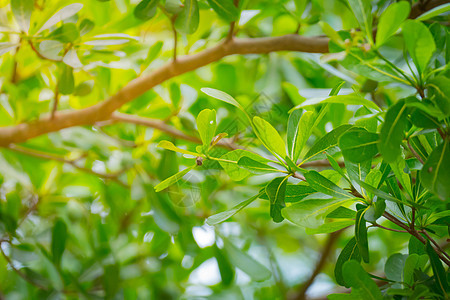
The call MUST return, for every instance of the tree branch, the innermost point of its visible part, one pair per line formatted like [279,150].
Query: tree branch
[327,249]
[103,110]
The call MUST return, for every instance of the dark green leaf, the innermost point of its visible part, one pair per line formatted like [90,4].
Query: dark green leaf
[440,276]
[327,142]
[324,185]
[358,145]
[59,236]
[392,131]
[435,174]
[254,166]
[276,191]
[229,162]
[349,252]
[187,21]
[361,234]
[225,9]
[146,9]
[172,180]
[440,88]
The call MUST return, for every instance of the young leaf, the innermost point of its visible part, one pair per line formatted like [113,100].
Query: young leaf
[59,236]
[66,82]
[223,216]
[225,9]
[363,13]
[434,12]
[254,166]
[170,146]
[22,10]
[146,9]
[229,162]
[173,179]
[390,21]
[358,145]
[300,133]
[328,141]
[340,99]
[392,131]
[206,124]
[276,191]
[187,21]
[349,252]
[435,174]
[246,263]
[438,270]
[60,15]
[221,96]
[324,185]
[269,136]
[361,234]
[419,43]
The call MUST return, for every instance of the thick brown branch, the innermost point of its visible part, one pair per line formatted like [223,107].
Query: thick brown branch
[102,111]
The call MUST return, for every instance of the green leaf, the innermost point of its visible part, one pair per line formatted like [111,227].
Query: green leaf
[71,59]
[22,10]
[187,21]
[245,262]
[342,213]
[276,191]
[153,52]
[225,268]
[419,43]
[67,33]
[225,9]
[377,192]
[440,89]
[423,120]
[298,132]
[363,13]
[416,246]
[206,124]
[350,252]
[390,21]
[146,9]
[172,180]
[434,12]
[232,169]
[311,213]
[293,93]
[60,15]
[323,185]
[66,82]
[440,276]
[269,136]
[170,146]
[330,227]
[394,267]
[359,280]
[325,143]
[361,234]
[51,49]
[296,192]
[341,99]
[254,166]
[413,262]
[174,6]
[435,174]
[393,131]
[59,236]
[223,216]
[221,96]
[358,145]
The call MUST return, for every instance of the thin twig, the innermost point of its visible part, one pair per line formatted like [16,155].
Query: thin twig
[414,152]
[35,153]
[55,103]
[386,228]
[416,234]
[19,272]
[435,243]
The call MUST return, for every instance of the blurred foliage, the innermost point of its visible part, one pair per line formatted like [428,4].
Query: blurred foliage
[98,211]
